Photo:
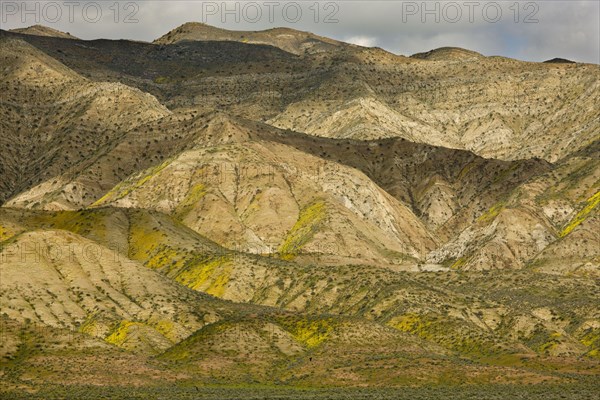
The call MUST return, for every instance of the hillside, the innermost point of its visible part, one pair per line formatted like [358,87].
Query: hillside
[290,40]
[275,210]
[58,118]
[40,30]
[448,54]
[516,316]
[493,106]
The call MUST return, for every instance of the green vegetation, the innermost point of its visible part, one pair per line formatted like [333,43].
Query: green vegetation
[449,332]
[166,328]
[466,169]
[90,325]
[590,205]
[591,339]
[126,187]
[195,194]
[162,80]
[6,233]
[309,221]
[458,263]
[198,391]
[119,335]
[551,344]
[492,213]
[209,275]
[310,332]
[412,323]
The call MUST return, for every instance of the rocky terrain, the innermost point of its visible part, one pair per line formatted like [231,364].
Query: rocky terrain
[41,30]
[278,209]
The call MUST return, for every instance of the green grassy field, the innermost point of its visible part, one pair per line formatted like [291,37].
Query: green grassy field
[580,391]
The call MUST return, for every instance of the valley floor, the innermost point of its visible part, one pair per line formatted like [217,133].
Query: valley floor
[580,391]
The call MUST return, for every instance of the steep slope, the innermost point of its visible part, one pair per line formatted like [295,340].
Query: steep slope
[363,118]
[40,30]
[448,54]
[100,293]
[434,200]
[146,145]
[290,40]
[521,313]
[572,203]
[203,74]
[56,118]
[272,204]
[576,252]
[246,196]
[448,189]
[496,108]
[553,214]
[493,106]
[62,280]
[200,245]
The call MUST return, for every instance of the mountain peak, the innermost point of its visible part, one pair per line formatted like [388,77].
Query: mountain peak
[448,53]
[41,30]
[287,39]
[558,60]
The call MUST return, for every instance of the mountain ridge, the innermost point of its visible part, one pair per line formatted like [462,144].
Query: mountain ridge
[236,214]
[41,30]
[205,31]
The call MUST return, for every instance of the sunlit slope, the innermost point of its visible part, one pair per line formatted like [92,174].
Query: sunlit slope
[520,314]
[263,197]
[54,119]
[493,106]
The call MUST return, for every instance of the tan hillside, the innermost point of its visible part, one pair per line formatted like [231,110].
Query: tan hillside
[448,54]
[72,283]
[447,196]
[40,30]
[555,213]
[249,181]
[58,118]
[137,322]
[493,106]
[505,109]
[249,198]
[507,317]
[290,40]
[274,214]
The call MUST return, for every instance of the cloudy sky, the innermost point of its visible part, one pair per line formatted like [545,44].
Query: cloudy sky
[527,30]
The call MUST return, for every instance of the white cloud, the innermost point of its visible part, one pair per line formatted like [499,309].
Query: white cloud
[564,28]
[365,41]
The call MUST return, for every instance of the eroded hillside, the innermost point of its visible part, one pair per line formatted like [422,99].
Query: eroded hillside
[280,208]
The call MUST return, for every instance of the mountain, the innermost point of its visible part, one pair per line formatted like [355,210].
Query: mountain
[446,196]
[40,30]
[56,117]
[558,60]
[489,107]
[273,210]
[448,54]
[290,40]
[246,196]
[493,106]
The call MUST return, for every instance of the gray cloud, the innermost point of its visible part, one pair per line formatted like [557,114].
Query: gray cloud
[537,31]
